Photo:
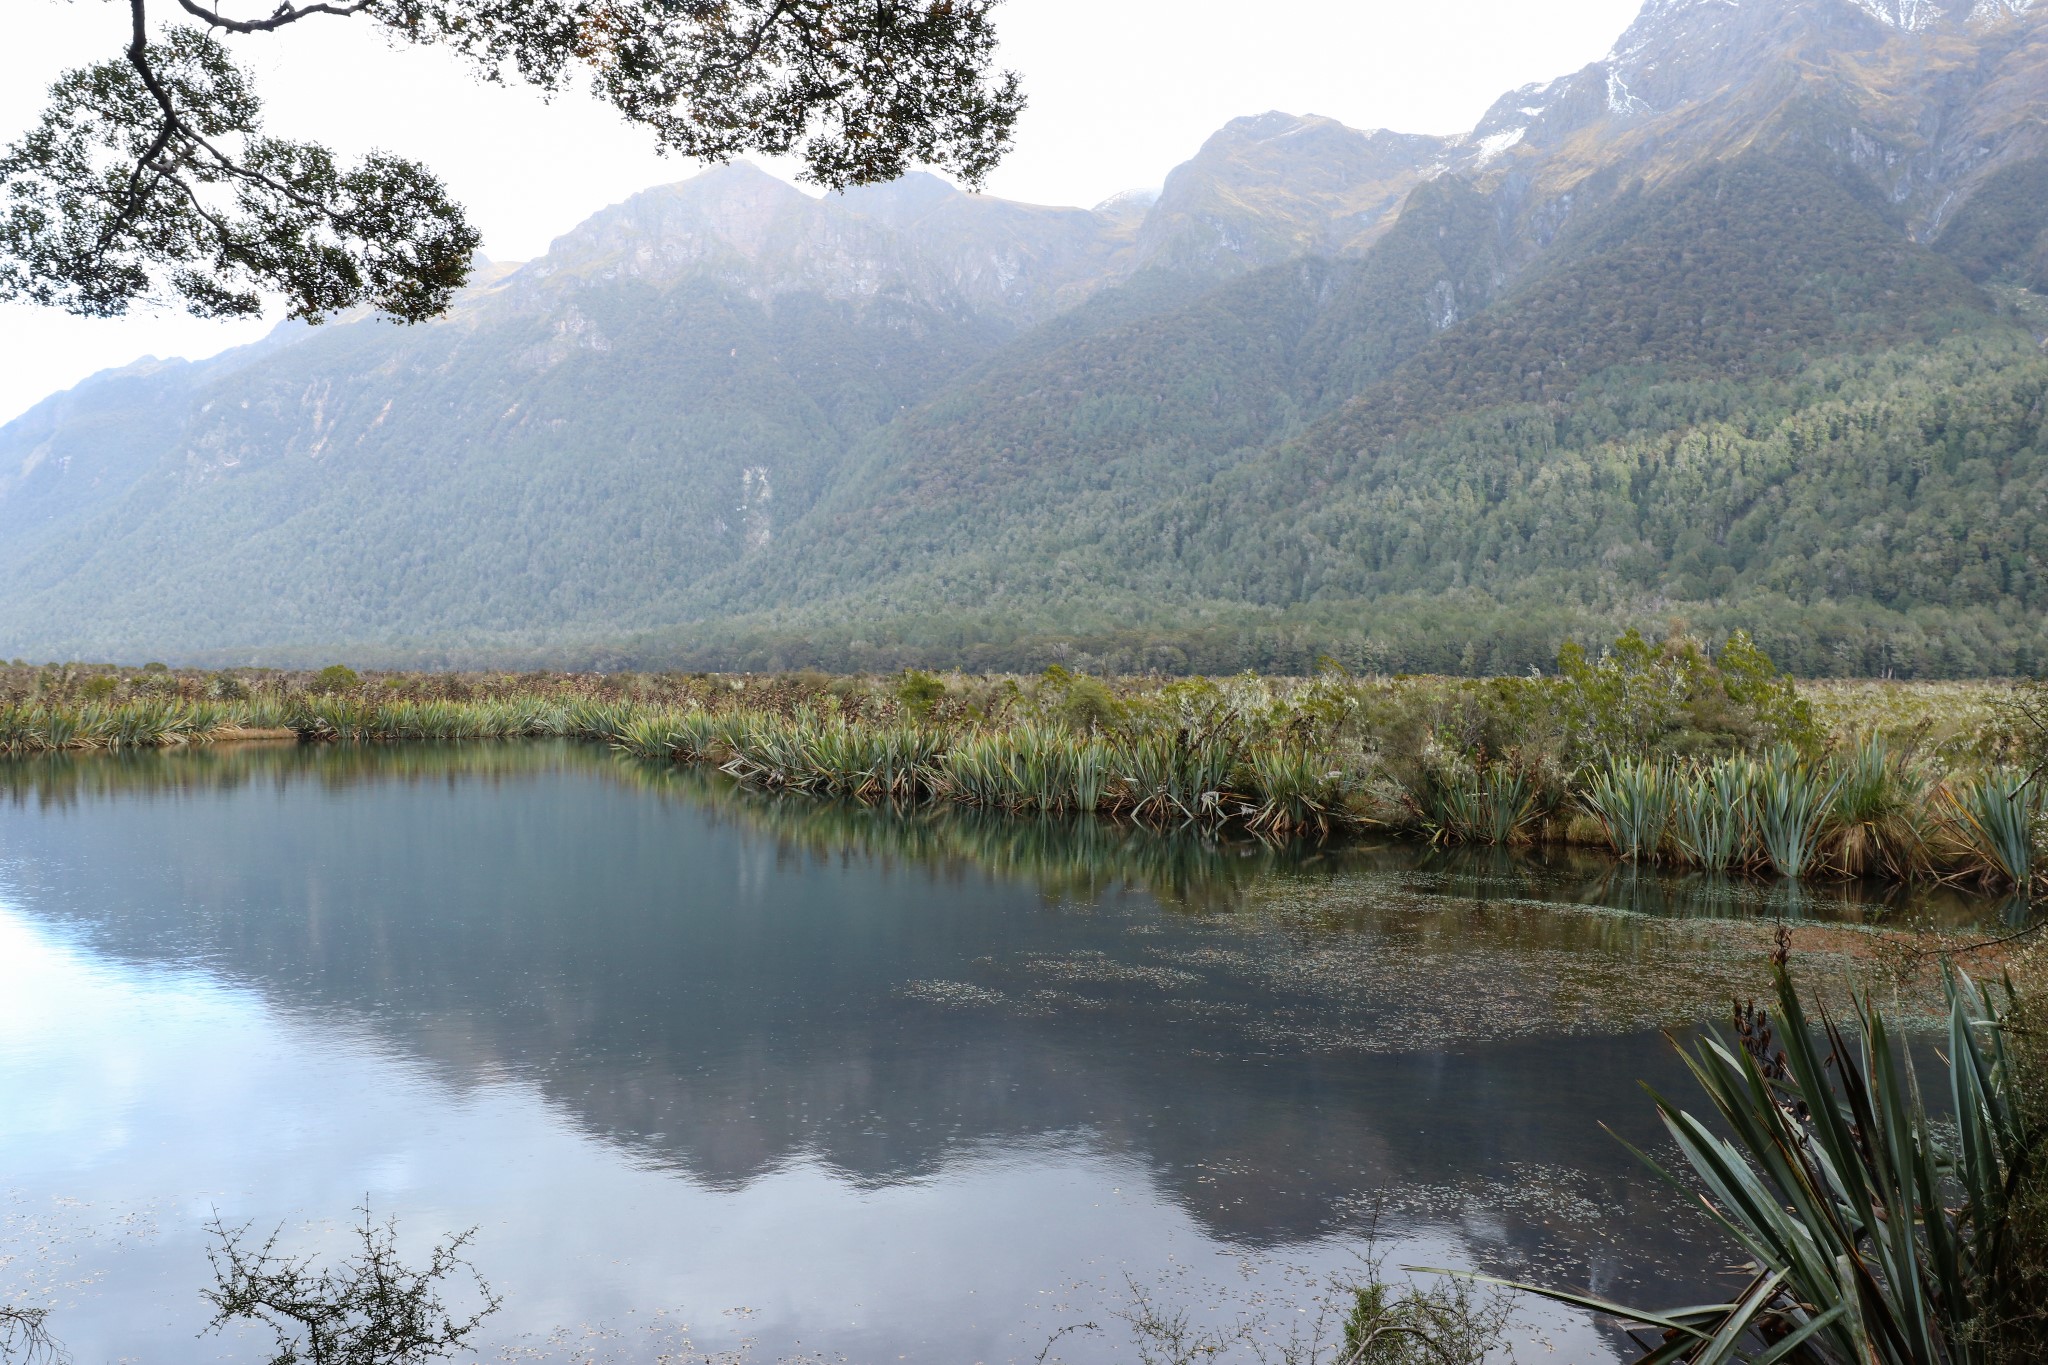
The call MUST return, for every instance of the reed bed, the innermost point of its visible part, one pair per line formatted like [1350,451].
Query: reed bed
[27,728]
[1661,755]
[1865,813]
[1480,803]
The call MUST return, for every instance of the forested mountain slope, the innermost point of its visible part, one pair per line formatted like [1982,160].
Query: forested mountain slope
[1674,412]
[1742,323]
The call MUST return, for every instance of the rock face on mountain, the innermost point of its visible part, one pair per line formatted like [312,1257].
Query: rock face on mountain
[1741,322]
[1921,99]
[917,238]
[1268,189]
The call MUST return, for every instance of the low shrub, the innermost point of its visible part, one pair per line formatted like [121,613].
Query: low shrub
[335,678]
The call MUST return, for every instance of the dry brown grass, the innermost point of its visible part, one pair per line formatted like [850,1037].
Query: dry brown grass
[1956,724]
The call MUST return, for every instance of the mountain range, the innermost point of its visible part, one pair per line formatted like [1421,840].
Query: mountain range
[1741,325]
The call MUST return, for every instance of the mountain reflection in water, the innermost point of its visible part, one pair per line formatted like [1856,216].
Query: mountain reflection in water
[1289,1046]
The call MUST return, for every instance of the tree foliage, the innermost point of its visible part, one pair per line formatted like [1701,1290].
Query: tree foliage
[1638,697]
[152,174]
[153,171]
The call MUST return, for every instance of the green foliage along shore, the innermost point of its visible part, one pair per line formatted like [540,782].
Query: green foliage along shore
[1668,753]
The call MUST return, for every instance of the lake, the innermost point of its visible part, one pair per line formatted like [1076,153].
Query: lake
[711,1071]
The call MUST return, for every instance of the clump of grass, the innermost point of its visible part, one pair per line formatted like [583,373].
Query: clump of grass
[1175,778]
[607,721]
[1289,790]
[1791,799]
[146,722]
[1632,799]
[656,736]
[1451,1322]
[1992,820]
[31,729]
[1481,803]
[1030,767]
[810,752]
[1713,814]
[1875,820]
[355,717]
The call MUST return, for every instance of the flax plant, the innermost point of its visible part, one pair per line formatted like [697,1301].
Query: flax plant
[1632,799]
[1483,803]
[1713,814]
[1875,819]
[1993,818]
[1290,791]
[1791,803]
[1176,778]
[1873,1233]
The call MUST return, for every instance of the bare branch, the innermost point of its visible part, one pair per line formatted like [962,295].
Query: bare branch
[284,14]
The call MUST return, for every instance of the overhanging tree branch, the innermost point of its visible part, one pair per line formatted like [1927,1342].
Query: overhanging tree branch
[278,18]
[152,176]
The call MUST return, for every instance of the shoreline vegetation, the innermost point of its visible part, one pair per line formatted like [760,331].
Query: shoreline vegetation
[1663,753]
[1868,1225]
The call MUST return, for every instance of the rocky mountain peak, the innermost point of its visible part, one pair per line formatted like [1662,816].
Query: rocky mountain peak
[900,202]
[737,209]
[1922,98]
[1273,186]
[917,239]
[1128,204]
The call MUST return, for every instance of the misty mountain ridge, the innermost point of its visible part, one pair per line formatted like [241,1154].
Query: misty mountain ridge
[1741,323]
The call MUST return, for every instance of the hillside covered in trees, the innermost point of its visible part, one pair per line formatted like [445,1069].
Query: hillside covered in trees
[1742,325]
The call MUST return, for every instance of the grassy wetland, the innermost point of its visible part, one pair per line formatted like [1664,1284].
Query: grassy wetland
[1669,754]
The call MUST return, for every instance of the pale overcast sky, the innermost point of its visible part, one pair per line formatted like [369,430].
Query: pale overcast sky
[1121,91]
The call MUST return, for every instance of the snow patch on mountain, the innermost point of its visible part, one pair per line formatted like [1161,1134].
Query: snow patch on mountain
[1620,101]
[1910,15]
[1127,202]
[1490,147]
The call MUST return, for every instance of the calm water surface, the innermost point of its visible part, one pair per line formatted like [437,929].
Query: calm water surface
[717,1071]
